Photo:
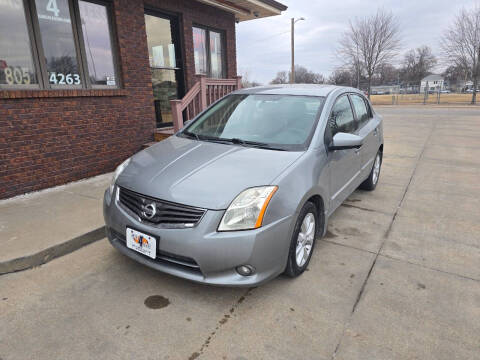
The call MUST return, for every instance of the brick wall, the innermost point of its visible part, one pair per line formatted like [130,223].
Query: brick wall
[52,137]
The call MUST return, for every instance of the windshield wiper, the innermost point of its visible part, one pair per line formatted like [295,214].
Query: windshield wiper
[201,137]
[191,135]
[256,144]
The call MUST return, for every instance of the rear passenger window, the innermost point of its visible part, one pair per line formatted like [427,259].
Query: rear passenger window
[360,108]
[342,119]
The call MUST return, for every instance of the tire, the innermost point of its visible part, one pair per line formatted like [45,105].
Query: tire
[371,182]
[296,266]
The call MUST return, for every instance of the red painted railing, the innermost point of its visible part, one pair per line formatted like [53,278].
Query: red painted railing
[205,92]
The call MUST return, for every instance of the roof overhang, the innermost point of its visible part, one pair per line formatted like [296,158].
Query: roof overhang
[248,9]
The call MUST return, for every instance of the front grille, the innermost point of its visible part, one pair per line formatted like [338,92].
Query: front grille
[164,257]
[167,213]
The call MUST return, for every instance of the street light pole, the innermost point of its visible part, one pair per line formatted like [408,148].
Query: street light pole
[292,72]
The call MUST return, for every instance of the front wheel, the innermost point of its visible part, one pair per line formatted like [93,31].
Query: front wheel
[371,182]
[303,240]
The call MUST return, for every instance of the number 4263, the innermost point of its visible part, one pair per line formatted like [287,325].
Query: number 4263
[62,79]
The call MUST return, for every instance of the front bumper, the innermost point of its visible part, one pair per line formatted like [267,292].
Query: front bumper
[201,253]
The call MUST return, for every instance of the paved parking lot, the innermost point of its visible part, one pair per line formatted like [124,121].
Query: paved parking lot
[397,277]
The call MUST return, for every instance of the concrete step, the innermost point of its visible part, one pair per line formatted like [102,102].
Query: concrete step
[163,133]
[144,146]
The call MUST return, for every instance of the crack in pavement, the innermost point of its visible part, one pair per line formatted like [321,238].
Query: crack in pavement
[220,323]
[385,237]
[399,260]
[363,208]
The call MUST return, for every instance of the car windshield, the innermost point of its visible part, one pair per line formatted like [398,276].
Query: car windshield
[278,122]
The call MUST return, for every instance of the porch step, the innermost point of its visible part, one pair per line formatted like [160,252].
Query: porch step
[144,146]
[163,133]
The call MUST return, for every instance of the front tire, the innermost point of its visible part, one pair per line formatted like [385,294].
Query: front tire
[371,182]
[303,240]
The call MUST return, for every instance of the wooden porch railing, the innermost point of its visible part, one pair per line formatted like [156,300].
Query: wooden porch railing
[205,92]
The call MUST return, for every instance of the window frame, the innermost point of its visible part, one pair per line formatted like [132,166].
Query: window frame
[208,29]
[38,56]
[33,53]
[360,124]
[113,43]
[327,128]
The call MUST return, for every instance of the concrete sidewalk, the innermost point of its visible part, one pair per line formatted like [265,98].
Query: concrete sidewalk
[38,227]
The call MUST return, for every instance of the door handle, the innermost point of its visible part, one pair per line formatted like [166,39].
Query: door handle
[357,151]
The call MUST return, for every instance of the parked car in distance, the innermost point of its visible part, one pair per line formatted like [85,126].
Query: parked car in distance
[242,192]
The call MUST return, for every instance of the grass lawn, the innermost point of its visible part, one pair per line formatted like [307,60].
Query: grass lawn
[406,99]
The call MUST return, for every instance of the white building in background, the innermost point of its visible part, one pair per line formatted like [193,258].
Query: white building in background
[434,82]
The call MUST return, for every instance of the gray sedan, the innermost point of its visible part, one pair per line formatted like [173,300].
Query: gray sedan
[243,191]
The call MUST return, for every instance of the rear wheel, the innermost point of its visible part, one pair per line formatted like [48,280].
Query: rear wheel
[371,182]
[303,240]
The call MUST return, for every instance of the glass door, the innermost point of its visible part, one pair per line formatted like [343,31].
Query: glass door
[165,64]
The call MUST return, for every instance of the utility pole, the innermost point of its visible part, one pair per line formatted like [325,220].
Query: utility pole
[292,71]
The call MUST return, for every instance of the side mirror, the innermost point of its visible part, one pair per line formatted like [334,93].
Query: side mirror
[343,141]
[188,122]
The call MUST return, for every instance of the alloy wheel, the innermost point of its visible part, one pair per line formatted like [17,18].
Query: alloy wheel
[376,169]
[305,239]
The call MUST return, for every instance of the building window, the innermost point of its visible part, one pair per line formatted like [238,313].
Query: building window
[59,49]
[98,43]
[200,50]
[208,52]
[16,61]
[57,44]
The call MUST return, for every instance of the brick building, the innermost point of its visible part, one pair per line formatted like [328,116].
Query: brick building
[85,83]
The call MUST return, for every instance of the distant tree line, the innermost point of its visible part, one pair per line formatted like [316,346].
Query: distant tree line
[370,46]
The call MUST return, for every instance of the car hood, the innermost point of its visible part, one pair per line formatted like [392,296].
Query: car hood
[203,174]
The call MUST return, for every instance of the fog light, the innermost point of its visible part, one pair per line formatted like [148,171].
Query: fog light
[246,270]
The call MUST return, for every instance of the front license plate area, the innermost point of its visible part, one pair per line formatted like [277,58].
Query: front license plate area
[142,243]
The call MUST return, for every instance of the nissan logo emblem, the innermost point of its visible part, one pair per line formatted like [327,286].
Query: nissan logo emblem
[149,211]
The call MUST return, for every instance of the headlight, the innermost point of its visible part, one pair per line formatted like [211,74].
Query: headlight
[247,209]
[117,173]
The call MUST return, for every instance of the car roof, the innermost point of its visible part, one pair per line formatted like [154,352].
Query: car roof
[296,89]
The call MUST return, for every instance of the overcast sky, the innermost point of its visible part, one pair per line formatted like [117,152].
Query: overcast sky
[263,45]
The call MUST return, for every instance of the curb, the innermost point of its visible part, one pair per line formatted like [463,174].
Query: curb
[47,255]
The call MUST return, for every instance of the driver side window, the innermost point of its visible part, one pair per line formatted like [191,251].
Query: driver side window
[341,118]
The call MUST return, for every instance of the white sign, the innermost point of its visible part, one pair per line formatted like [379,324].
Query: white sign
[111,81]
[158,60]
[171,55]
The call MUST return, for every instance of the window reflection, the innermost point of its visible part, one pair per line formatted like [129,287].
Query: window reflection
[58,44]
[161,50]
[216,60]
[200,50]
[98,46]
[208,52]
[16,64]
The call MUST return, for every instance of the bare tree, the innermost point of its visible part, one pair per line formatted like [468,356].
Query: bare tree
[386,74]
[341,76]
[461,44]
[305,76]
[281,78]
[302,76]
[370,42]
[417,63]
